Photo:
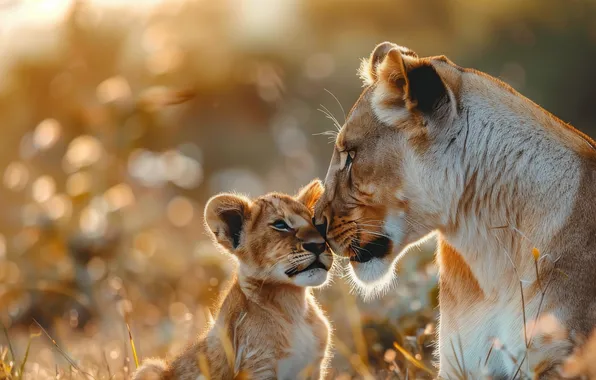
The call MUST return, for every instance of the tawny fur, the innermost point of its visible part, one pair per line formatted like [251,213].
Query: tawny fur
[435,148]
[269,325]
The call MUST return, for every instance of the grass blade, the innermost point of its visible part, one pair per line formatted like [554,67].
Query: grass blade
[9,342]
[204,366]
[22,366]
[461,371]
[105,359]
[412,359]
[62,352]
[132,346]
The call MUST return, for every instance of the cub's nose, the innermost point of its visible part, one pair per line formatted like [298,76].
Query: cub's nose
[316,248]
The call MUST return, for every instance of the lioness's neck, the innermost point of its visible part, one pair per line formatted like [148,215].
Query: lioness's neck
[497,190]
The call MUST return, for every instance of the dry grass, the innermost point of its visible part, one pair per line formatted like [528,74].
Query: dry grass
[367,343]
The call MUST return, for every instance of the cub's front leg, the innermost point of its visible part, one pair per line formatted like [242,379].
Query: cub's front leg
[261,374]
[259,370]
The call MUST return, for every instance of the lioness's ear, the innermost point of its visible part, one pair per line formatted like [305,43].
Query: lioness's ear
[368,68]
[225,216]
[310,194]
[411,82]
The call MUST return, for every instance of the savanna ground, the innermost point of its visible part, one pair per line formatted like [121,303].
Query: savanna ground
[120,119]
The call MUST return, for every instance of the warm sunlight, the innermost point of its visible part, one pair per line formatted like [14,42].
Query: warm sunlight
[171,187]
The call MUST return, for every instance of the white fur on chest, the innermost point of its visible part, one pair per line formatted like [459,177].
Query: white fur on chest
[302,356]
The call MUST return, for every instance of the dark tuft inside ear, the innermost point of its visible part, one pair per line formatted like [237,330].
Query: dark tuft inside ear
[233,220]
[426,88]
[225,216]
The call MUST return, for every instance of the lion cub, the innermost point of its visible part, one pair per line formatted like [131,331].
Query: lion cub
[269,326]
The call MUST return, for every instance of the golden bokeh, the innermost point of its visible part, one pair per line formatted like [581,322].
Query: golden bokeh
[121,118]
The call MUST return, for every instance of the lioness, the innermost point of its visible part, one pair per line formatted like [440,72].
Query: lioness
[508,189]
[269,325]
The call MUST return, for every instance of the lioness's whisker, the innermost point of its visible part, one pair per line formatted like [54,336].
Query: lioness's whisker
[332,135]
[339,104]
[375,233]
[366,220]
[330,116]
[370,225]
[356,250]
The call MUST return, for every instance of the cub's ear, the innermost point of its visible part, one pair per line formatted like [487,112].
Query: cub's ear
[225,216]
[406,81]
[310,194]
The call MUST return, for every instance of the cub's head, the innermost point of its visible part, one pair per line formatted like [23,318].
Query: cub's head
[372,207]
[272,236]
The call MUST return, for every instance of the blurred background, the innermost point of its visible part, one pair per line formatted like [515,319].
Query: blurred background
[120,118]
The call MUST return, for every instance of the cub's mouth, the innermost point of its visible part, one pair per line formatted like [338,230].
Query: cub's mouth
[317,264]
[376,248]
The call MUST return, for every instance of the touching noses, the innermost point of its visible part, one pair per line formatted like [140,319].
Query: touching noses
[312,240]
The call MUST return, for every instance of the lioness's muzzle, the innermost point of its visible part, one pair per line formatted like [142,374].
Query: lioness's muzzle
[375,248]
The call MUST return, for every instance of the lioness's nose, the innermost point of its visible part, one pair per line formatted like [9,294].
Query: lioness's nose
[321,225]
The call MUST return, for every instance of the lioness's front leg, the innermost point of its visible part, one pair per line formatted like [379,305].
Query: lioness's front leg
[319,369]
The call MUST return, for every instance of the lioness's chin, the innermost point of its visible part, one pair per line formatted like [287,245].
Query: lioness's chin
[372,273]
[312,277]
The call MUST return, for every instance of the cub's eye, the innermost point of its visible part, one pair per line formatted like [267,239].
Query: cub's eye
[349,158]
[280,225]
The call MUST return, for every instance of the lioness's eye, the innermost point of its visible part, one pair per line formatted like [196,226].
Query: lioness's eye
[280,225]
[350,158]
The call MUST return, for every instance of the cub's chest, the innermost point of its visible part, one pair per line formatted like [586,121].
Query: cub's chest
[303,355]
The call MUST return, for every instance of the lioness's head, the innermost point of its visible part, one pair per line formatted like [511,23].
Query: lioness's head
[272,236]
[376,191]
